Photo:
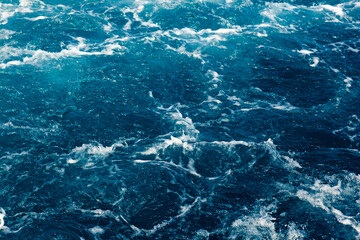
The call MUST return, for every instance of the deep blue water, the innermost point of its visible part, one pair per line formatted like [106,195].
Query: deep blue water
[179,119]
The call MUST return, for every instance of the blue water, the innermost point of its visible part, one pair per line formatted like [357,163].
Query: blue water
[179,119]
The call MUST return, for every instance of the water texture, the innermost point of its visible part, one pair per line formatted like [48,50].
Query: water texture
[166,119]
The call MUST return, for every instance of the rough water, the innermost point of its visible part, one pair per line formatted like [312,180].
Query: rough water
[179,119]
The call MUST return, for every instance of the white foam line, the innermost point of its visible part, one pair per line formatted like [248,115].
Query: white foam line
[11,156]
[97,150]
[184,210]
[305,52]
[36,18]
[227,173]
[2,215]
[228,143]
[317,200]
[156,162]
[346,220]
[26,6]
[283,107]
[81,49]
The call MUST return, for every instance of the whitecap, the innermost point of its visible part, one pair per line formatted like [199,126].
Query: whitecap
[294,233]
[182,50]
[325,196]
[259,225]
[108,47]
[274,9]
[335,9]
[135,12]
[315,62]
[348,81]
[98,150]
[305,52]
[5,34]
[36,18]
[283,106]
[2,215]
[97,230]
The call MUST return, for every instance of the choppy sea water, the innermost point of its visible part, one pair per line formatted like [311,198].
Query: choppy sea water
[166,119]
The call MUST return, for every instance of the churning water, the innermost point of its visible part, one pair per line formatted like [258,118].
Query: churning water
[179,119]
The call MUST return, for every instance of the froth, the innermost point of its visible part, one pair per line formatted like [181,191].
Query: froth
[2,215]
[109,47]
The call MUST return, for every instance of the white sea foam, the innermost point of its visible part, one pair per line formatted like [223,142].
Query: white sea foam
[203,233]
[190,169]
[305,52]
[183,211]
[182,50]
[294,233]
[260,225]
[324,196]
[189,36]
[230,143]
[211,100]
[98,150]
[202,37]
[335,70]
[25,6]
[91,154]
[182,141]
[13,155]
[2,222]
[283,106]
[216,34]
[348,81]
[6,11]
[99,213]
[246,106]
[353,49]
[351,130]
[338,10]
[291,163]
[285,161]
[135,11]
[273,10]
[317,200]
[278,14]
[109,47]
[5,34]
[214,76]
[184,125]
[97,230]
[7,52]
[315,62]
[36,18]
[263,34]
[108,27]
[73,161]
